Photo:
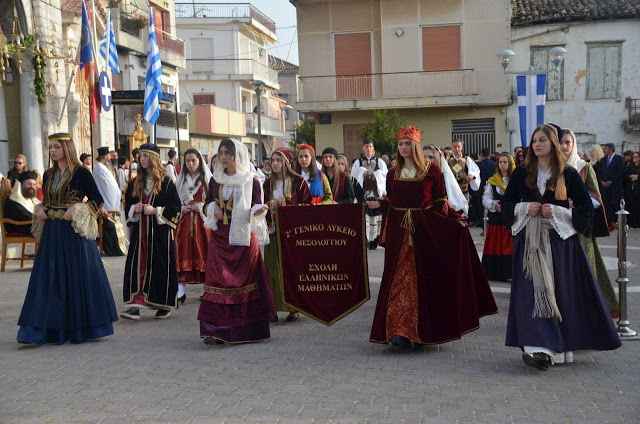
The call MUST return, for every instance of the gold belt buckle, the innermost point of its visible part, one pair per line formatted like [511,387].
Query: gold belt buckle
[55,214]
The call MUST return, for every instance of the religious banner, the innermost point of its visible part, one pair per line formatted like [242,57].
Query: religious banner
[323,259]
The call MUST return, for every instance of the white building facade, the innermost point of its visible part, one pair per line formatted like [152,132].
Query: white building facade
[596,93]
[227,48]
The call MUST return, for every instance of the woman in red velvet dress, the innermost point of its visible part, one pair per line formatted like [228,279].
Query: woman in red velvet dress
[433,288]
[237,303]
[192,238]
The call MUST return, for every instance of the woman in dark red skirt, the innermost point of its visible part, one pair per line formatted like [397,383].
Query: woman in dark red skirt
[237,302]
[498,244]
[192,238]
[420,300]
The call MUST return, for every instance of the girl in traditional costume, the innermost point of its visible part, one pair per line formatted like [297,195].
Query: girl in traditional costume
[498,244]
[600,227]
[237,302]
[341,185]
[420,300]
[69,297]
[153,207]
[192,237]
[284,187]
[556,306]
[305,165]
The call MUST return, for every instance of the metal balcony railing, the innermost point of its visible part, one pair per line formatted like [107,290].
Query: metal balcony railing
[167,118]
[266,123]
[457,82]
[234,67]
[223,10]
[132,25]
[169,42]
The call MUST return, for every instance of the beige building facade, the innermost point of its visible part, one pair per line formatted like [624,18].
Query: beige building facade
[432,60]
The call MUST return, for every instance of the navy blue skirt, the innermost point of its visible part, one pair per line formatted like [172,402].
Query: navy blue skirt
[586,322]
[69,297]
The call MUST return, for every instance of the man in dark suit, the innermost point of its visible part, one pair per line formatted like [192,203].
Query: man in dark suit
[487,169]
[610,172]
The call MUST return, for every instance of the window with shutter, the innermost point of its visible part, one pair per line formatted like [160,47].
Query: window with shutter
[353,65]
[555,80]
[603,70]
[440,48]
[204,99]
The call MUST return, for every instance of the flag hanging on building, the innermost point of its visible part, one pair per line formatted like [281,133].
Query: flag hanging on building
[531,97]
[152,86]
[113,52]
[89,66]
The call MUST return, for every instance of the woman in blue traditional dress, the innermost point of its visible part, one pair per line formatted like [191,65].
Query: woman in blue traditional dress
[556,306]
[69,297]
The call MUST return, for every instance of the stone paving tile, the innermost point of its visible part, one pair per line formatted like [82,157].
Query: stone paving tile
[160,371]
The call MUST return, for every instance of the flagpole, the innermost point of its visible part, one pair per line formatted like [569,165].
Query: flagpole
[95,55]
[107,52]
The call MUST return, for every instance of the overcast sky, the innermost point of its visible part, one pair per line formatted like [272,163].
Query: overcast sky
[284,15]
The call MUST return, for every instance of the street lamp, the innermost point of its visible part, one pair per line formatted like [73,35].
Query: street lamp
[257,86]
[556,55]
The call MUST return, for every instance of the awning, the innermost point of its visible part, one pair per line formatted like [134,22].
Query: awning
[136,97]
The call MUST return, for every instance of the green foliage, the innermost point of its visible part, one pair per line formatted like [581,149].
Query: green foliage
[305,131]
[38,80]
[383,130]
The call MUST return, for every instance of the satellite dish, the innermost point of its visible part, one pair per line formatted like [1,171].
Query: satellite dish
[186,107]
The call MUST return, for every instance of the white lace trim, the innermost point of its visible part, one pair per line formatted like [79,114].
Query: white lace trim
[522,217]
[159,217]
[259,225]
[487,198]
[561,221]
[133,216]
[83,222]
[210,220]
[556,358]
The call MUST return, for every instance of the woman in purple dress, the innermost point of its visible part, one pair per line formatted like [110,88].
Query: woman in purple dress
[237,303]
[556,306]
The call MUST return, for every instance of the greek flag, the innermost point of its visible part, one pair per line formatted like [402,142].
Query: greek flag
[113,52]
[153,87]
[531,97]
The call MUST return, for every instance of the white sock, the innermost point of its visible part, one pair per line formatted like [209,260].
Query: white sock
[180,290]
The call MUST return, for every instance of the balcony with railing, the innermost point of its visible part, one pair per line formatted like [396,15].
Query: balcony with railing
[383,86]
[234,11]
[210,119]
[245,69]
[171,49]
[269,126]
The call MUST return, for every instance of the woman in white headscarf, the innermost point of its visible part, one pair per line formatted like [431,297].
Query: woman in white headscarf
[569,148]
[237,303]
[192,237]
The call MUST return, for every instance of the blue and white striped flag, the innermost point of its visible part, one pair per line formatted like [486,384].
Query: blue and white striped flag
[113,51]
[152,87]
[531,97]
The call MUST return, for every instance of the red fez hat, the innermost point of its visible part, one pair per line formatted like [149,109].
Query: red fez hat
[286,153]
[307,146]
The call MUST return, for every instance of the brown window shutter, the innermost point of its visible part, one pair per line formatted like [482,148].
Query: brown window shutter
[440,48]
[353,53]
[353,65]
[204,99]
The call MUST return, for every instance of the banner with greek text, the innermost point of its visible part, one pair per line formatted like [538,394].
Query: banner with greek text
[323,259]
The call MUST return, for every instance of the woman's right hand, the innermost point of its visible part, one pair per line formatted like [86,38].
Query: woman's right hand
[498,206]
[534,208]
[373,204]
[217,212]
[41,214]
[138,208]
[186,209]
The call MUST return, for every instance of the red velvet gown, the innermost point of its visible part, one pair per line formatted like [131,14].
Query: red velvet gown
[192,239]
[435,290]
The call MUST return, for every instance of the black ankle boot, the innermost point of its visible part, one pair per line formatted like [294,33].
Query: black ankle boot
[401,343]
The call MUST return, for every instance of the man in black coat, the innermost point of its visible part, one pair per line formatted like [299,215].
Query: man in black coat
[610,172]
[21,203]
[487,169]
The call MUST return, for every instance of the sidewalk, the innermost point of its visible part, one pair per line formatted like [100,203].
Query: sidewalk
[160,371]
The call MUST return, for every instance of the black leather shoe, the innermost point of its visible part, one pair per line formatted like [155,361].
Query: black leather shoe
[131,313]
[401,342]
[181,299]
[535,362]
[273,319]
[163,313]
[293,316]
[212,341]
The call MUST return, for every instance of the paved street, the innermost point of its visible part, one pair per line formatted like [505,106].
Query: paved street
[160,371]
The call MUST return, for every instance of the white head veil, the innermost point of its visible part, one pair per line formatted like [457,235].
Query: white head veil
[243,220]
[574,160]
[454,194]
[182,184]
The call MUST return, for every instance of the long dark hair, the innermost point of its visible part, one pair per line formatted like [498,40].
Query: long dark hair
[285,172]
[556,182]
[201,166]
[313,168]
[337,176]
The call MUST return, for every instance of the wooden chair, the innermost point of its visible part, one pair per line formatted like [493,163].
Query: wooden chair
[115,215]
[10,238]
